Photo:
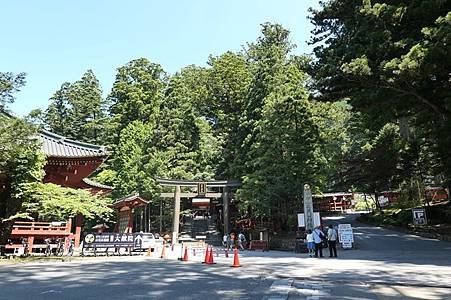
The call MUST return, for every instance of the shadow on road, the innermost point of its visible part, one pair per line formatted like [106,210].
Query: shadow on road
[149,279]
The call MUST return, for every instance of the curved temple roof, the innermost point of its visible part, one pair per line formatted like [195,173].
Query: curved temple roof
[55,145]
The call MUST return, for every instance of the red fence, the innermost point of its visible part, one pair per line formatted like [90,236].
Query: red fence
[48,229]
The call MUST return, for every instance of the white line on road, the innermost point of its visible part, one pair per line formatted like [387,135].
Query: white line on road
[280,288]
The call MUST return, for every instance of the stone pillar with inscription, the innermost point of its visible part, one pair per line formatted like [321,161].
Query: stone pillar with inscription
[308,208]
[225,209]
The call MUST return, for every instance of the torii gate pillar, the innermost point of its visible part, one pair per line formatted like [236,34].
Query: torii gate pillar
[176,220]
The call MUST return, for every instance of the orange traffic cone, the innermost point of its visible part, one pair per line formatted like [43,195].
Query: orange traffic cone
[210,257]
[236,259]
[207,256]
[185,256]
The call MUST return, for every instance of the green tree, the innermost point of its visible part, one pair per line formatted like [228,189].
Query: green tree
[9,84]
[280,141]
[337,141]
[58,116]
[268,57]
[184,133]
[77,110]
[137,94]
[130,159]
[47,201]
[285,153]
[21,165]
[391,59]
[88,109]
[228,84]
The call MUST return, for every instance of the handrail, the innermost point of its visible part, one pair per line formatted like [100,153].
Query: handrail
[43,223]
[23,227]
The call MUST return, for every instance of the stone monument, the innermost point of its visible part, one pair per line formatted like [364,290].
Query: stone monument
[308,208]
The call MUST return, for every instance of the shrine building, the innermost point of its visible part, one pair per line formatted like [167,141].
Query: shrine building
[69,164]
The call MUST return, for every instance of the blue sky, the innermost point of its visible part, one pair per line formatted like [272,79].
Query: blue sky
[57,41]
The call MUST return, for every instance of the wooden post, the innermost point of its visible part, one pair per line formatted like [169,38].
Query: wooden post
[176,220]
[129,228]
[225,208]
[161,216]
[78,227]
[69,225]
[30,242]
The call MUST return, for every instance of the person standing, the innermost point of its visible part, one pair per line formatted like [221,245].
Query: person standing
[233,243]
[241,240]
[332,241]
[225,241]
[318,236]
[310,243]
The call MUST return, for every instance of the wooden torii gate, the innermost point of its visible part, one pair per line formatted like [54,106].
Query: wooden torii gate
[201,190]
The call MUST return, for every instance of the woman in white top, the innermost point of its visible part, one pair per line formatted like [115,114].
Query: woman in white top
[310,243]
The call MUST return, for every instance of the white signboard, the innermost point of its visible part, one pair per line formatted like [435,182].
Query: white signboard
[201,200]
[383,201]
[316,219]
[345,235]
[419,216]
[346,245]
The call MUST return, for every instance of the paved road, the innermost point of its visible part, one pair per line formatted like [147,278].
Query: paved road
[385,265]
[128,278]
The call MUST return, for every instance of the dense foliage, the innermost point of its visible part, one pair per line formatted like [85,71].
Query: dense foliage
[21,164]
[391,59]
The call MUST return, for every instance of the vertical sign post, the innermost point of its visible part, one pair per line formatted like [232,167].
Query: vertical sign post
[308,208]
[201,188]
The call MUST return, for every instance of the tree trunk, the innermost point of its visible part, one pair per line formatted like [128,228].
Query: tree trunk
[5,232]
[376,201]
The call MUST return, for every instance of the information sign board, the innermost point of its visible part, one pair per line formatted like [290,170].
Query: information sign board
[419,216]
[345,235]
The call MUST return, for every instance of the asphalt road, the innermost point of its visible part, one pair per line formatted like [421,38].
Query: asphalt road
[385,265]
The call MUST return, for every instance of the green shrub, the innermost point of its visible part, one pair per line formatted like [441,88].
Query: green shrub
[362,205]
[404,217]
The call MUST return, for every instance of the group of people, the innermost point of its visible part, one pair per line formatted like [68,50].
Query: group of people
[233,240]
[316,238]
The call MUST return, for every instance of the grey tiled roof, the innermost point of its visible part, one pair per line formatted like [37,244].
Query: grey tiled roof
[55,145]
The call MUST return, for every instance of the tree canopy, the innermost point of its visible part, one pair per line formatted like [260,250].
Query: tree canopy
[391,59]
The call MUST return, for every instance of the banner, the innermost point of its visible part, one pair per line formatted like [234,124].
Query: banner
[120,240]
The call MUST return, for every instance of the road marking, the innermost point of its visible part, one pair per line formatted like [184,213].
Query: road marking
[50,292]
[311,290]
[280,289]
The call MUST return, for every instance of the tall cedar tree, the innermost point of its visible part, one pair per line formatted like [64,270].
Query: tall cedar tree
[392,60]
